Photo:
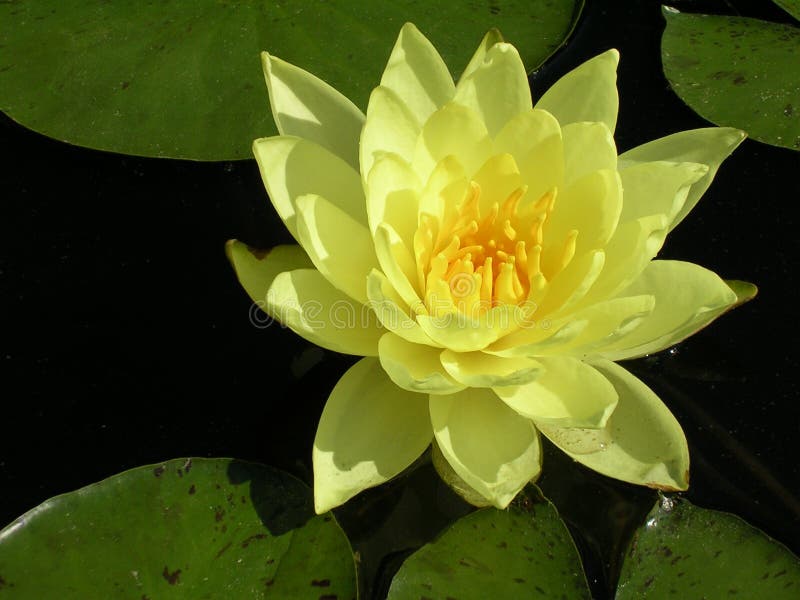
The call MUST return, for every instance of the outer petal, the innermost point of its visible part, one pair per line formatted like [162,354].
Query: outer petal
[453,130]
[569,393]
[302,299]
[571,285]
[709,146]
[292,167]
[392,311]
[370,430]
[489,446]
[414,367]
[390,127]
[417,74]
[339,247]
[397,263]
[478,369]
[688,297]
[497,90]
[587,93]
[642,442]
[307,107]
[660,187]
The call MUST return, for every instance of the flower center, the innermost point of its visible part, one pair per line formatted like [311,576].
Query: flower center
[471,262]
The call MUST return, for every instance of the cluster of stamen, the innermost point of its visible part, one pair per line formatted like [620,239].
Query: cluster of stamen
[471,262]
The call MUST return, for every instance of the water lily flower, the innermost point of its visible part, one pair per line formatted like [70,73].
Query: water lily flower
[490,258]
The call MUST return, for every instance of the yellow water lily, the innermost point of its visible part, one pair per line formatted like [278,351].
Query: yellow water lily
[490,257]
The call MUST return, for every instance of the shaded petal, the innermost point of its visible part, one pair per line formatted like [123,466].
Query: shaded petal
[708,146]
[292,167]
[397,263]
[537,338]
[478,369]
[393,190]
[658,188]
[369,431]
[492,37]
[688,297]
[642,442]
[498,178]
[415,367]
[453,130]
[307,107]
[460,333]
[392,312]
[339,247]
[587,93]
[569,393]
[498,89]
[257,269]
[390,127]
[444,189]
[492,448]
[417,74]
[588,147]
[572,284]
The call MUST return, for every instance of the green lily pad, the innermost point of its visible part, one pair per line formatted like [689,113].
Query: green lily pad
[523,552]
[682,551]
[187,528]
[184,80]
[736,71]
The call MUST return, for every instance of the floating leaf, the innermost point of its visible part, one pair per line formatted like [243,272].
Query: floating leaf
[737,71]
[183,79]
[523,552]
[187,528]
[683,551]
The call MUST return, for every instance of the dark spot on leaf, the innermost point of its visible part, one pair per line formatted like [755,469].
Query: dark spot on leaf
[717,553]
[159,471]
[180,473]
[172,578]
[666,551]
[219,515]
[2,583]
[269,582]
[502,545]
[788,110]
[519,580]
[125,85]
[270,561]
[223,549]
[187,466]
[648,582]
[780,573]
[329,597]
[732,592]
[252,538]
[426,585]
[192,490]
[321,582]
[739,80]
[540,590]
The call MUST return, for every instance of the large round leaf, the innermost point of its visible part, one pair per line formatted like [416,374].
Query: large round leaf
[736,71]
[188,528]
[523,552]
[183,79]
[682,551]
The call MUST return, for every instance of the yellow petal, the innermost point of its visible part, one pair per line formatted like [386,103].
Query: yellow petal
[498,178]
[572,284]
[492,448]
[660,187]
[709,146]
[588,147]
[397,263]
[569,393]
[688,297]
[461,333]
[339,247]
[478,369]
[587,93]
[492,37]
[445,187]
[538,338]
[369,431]
[390,128]
[452,130]
[393,191]
[415,367]
[307,107]
[392,312]
[498,89]
[417,74]
[292,167]
[257,269]
[642,442]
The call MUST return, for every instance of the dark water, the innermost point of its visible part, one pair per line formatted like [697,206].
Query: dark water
[125,338]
